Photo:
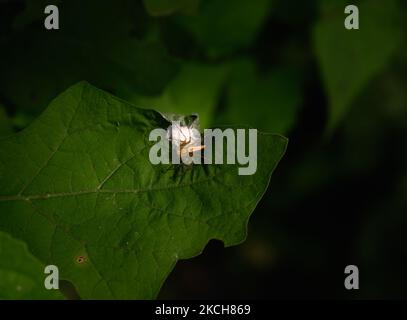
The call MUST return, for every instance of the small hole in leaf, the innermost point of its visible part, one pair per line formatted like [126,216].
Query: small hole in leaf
[81,259]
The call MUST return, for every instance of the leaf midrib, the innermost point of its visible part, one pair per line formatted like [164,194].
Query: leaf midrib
[91,191]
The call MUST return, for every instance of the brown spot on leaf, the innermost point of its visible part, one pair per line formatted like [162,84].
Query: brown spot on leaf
[81,259]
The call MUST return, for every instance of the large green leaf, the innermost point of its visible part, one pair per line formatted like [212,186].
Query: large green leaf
[21,275]
[77,185]
[349,59]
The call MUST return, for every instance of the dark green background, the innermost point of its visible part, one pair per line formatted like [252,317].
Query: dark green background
[339,195]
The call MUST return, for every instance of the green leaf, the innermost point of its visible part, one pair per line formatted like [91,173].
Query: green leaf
[196,89]
[223,26]
[267,102]
[350,59]
[77,185]
[21,275]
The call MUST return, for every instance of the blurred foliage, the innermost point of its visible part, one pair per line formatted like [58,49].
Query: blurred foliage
[5,123]
[281,66]
[270,102]
[349,60]
[167,7]
[222,27]
[96,45]
[196,87]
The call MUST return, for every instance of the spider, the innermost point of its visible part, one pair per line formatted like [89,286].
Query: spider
[185,139]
